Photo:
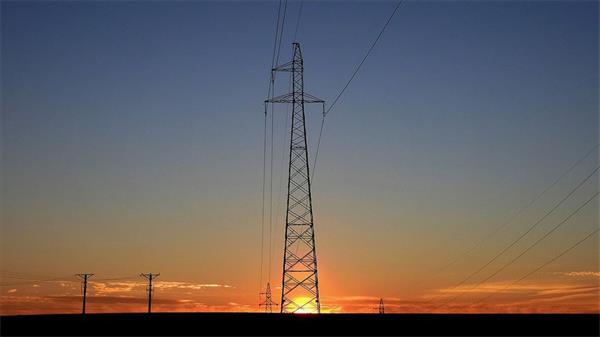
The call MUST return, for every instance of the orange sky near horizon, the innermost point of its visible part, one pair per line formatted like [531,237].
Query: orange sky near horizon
[556,292]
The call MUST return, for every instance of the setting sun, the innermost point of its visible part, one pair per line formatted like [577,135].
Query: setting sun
[304,306]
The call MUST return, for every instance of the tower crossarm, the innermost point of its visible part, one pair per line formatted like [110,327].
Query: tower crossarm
[290,98]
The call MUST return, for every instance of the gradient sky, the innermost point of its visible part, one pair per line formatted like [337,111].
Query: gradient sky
[132,142]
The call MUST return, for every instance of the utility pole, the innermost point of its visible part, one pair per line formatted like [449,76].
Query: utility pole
[268,302]
[300,283]
[150,290]
[84,280]
[381,308]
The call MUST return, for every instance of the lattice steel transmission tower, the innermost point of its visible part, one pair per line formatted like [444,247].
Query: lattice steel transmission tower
[300,283]
[268,303]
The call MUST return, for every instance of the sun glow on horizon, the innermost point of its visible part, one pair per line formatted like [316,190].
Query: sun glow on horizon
[304,307]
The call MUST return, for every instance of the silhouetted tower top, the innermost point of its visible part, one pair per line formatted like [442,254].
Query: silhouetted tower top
[381,307]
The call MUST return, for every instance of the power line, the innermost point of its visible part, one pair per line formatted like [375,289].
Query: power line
[124,278]
[365,57]
[314,168]
[520,211]
[18,278]
[280,194]
[348,83]
[279,29]
[540,239]
[281,33]
[506,265]
[541,266]
[528,230]
[298,19]
[29,281]
[60,278]
[276,47]
[274,50]
[270,90]
[271,82]
[262,222]
[271,191]
[24,276]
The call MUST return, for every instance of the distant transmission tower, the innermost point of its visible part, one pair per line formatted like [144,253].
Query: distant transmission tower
[300,284]
[381,307]
[268,303]
[84,280]
[150,288]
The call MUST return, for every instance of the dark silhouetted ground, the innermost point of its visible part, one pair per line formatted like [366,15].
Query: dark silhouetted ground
[276,324]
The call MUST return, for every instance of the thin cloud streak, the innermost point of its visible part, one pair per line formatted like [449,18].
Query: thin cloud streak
[580,274]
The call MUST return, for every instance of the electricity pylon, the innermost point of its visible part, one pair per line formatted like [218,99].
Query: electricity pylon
[381,308]
[300,283]
[268,303]
[150,288]
[84,279]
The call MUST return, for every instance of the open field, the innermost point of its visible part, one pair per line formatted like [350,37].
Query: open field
[276,324]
